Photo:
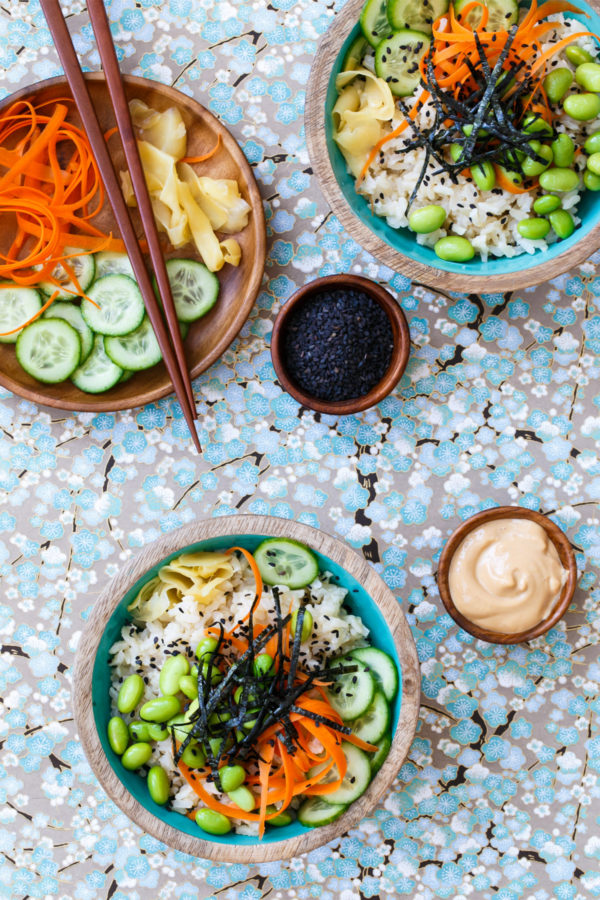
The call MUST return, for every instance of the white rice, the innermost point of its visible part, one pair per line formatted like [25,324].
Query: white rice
[143,648]
[488,219]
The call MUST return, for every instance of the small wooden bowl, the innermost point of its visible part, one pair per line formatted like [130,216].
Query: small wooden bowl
[400,352]
[367,595]
[565,554]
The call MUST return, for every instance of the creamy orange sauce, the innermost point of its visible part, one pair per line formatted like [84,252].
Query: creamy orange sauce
[506,575]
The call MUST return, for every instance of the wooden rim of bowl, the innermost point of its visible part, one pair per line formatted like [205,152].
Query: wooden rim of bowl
[135,569]
[565,554]
[98,403]
[316,96]
[400,353]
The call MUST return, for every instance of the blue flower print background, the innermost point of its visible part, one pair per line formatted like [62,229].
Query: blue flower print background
[500,794]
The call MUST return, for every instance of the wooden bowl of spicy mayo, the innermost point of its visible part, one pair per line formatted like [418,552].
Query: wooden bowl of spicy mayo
[507,575]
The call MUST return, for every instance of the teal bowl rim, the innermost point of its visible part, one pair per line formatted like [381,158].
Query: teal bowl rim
[398,248]
[379,609]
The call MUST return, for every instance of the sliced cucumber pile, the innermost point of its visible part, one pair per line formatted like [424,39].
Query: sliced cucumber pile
[501,14]
[104,340]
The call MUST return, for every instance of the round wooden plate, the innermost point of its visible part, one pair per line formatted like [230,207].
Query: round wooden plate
[210,336]
[90,688]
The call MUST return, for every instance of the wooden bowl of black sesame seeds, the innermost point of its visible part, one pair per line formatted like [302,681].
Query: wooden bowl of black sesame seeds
[340,344]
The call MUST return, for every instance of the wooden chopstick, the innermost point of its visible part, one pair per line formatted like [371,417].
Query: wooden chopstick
[175,364]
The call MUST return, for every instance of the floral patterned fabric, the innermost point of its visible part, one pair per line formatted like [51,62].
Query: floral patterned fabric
[500,795]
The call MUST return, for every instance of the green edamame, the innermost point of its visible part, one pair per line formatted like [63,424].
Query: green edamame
[284,818]
[250,723]
[237,695]
[194,671]
[118,735]
[454,249]
[188,686]
[263,664]
[427,219]
[158,785]
[592,144]
[307,621]
[181,724]
[557,83]
[545,204]
[531,166]
[215,675]
[593,163]
[534,124]
[243,797]
[136,755]
[139,731]
[559,180]
[577,55]
[591,181]
[456,152]
[563,150]
[232,777]
[510,175]
[484,175]
[212,822]
[562,223]
[215,744]
[160,709]
[130,693]
[533,229]
[588,76]
[207,646]
[582,107]
[157,732]
[193,756]
[173,668]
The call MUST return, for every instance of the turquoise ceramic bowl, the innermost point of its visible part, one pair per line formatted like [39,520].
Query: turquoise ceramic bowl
[359,601]
[524,268]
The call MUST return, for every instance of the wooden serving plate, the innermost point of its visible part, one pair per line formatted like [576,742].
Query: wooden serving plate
[210,336]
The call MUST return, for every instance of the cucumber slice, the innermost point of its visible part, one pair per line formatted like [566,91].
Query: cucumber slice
[98,373]
[501,14]
[195,289]
[84,268]
[355,54]
[383,668]
[397,60]
[120,305]
[110,263]
[17,305]
[357,777]
[49,350]
[72,314]
[351,693]
[374,21]
[416,15]
[287,562]
[378,759]
[375,722]
[315,811]
[136,351]
[125,376]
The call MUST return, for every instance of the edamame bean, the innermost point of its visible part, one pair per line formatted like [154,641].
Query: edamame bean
[263,664]
[130,693]
[157,732]
[593,163]
[577,55]
[232,777]
[562,223]
[284,818]
[215,675]
[193,756]
[237,695]
[563,150]
[531,166]
[188,686]
[173,668]
[588,76]
[545,204]
[484,175]
[160,709]
[534,124]
[591,181]
[456,152]
[136,755]
[557,83]
[307,621]
[592,144]
[139,731]
[216,743]
[181,724]
[515,177]
[207,646]
[212,822]
[559,180]
[250,723]
[426,220]
[243,797]
[454,249]
[158,785]
[582,107]
[533,229]
[118,735]
[194,671]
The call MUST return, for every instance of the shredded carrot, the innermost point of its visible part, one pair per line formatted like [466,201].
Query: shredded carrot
[507,185]
[205,156]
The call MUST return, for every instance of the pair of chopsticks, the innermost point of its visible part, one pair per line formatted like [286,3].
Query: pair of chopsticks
[169,339]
